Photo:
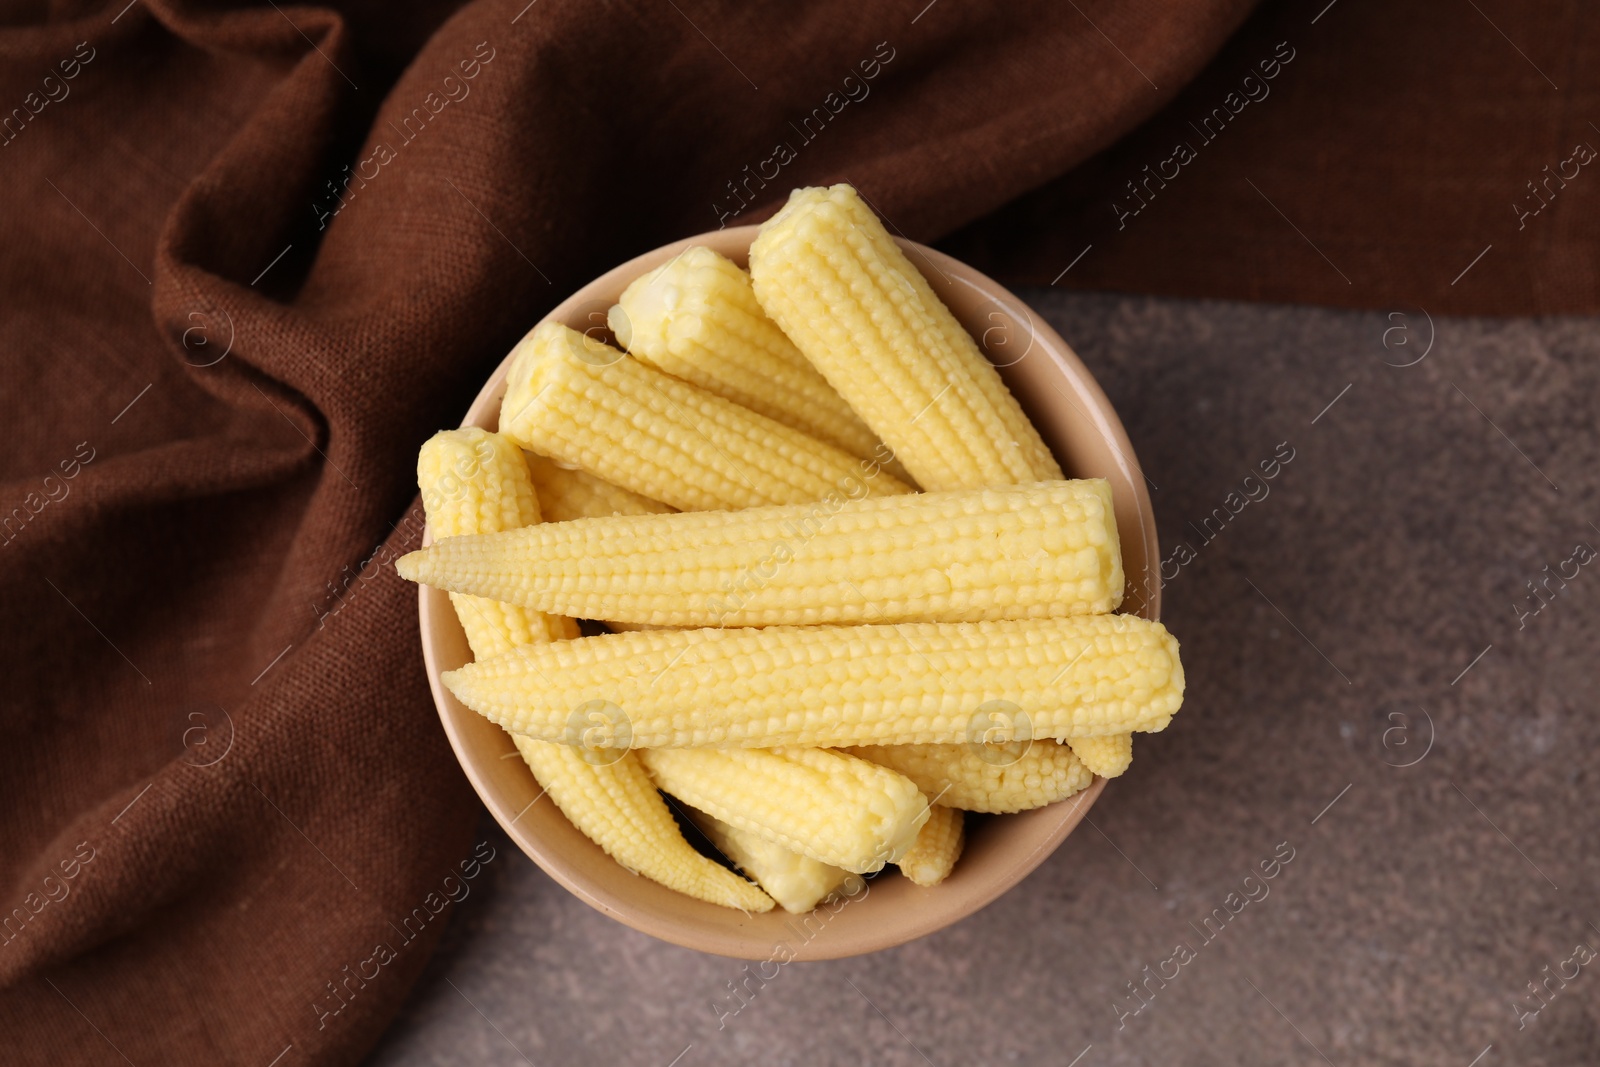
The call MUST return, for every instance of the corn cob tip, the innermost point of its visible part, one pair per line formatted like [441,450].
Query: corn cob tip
[545,345]
[409,566]
[460,686]
[804,209]
[422,567]
[1107,756]
[938,845]
[646,306]
[620,325]
[807,197]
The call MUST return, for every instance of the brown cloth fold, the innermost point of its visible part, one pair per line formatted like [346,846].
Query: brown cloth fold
[256,255]
[1428,155]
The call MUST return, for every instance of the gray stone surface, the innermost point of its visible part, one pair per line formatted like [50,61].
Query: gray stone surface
[1362,609]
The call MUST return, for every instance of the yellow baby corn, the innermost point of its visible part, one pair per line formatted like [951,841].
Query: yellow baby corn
[1042,550]
[573,494]
[586,405]
[992,778]
[796,882]
[1105,756]
[829,274]
[617,807]
[828,805]
[473,481]
[825,252]
[906,683]
[697,319]
[834,237]
[932,856]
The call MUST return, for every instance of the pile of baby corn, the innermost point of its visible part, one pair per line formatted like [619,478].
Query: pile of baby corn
[823,667]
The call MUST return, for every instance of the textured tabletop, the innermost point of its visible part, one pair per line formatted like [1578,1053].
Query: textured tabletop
[1391,659]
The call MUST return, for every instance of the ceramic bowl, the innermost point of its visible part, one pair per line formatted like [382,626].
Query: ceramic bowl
[1076,421]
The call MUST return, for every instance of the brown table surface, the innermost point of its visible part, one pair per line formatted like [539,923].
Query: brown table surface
[1361,616]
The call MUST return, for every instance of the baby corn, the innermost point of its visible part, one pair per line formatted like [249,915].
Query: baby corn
[796,882]
[932,856]
[933,446]
[472,482]
[906,683]
[1043,550]
[697,319]
[833,807]
[587,405]
[991,778]
[1105,756]
[573,494]
[617,807]
[829,274]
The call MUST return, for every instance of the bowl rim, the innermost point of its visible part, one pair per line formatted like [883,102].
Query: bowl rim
[734,942]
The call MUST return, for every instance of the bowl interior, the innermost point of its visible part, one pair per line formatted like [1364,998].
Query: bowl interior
[1076,421]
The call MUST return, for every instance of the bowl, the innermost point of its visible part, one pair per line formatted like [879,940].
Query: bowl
[1076,421]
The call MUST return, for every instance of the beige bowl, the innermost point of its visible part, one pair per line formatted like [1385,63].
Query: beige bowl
[1078,424]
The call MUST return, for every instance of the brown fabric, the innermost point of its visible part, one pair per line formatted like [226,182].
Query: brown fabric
[1399,143]
[224,787]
